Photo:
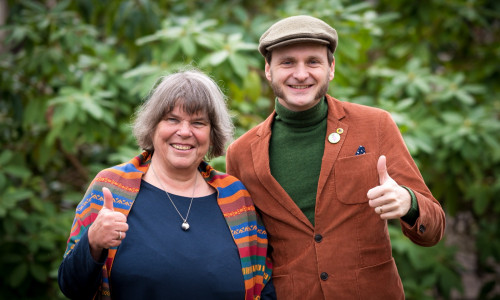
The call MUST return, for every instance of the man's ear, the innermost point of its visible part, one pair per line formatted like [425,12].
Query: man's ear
[332,70]
[267,69]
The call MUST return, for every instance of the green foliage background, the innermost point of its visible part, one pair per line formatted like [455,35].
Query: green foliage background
[73,72]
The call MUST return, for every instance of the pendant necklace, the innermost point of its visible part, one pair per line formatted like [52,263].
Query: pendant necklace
[185,224]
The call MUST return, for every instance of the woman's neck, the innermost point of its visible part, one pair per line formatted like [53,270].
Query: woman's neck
[178,182]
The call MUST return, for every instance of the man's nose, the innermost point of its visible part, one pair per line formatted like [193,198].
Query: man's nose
[301,73]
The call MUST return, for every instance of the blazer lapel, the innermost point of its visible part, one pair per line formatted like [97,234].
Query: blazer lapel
[260,157]
[332,150]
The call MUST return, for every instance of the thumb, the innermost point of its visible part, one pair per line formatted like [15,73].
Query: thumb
[108,198]
[383,176]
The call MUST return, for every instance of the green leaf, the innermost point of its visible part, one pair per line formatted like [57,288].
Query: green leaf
[212,42]
[140,71]
[188,46]
[18,214]
[217,58]
[350,49]
[239,65]
[17,171]
[92,108]
[18,275]
[404,104]
[18,194]
[5,157]
[147,39]
[39,272]
[452,117]
[354,8]
[234,38]
[37,7]
[109,118]
[61,6]
[481,203]
[52,136]
[253,86]
[3,182]
[37,204]
[464,97]
[170,52]
[449,280]
[11,258]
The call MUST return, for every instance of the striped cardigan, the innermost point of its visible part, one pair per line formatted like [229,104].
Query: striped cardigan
[234,201]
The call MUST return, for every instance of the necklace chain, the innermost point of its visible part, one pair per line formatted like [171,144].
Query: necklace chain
[185,224]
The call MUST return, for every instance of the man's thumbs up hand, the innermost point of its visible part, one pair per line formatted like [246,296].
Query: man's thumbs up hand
[383,176]
[389,199]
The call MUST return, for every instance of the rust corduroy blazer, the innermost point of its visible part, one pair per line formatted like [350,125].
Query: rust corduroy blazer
[347,254]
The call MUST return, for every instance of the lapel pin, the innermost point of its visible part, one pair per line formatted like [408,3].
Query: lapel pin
[334,138]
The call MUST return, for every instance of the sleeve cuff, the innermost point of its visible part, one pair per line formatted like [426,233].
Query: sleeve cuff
[88,255]
[411,217]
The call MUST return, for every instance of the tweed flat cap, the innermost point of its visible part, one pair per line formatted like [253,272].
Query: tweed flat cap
[298,29]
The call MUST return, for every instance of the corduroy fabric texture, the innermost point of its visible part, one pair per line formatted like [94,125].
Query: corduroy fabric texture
[234,201]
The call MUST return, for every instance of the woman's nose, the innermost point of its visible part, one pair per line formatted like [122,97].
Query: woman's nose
[184,129]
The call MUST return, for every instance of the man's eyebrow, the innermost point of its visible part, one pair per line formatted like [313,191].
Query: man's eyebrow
[292,58]
[286,58]
[318,57]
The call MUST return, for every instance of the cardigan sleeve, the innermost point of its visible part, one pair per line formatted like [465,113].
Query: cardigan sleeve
[79,274]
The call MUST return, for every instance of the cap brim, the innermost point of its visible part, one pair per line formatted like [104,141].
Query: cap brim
[296,41]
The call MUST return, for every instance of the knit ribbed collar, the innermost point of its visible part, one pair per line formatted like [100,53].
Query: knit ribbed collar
[306,118]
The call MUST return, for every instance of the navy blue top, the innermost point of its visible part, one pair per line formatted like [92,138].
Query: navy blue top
[159,260]
[170,263]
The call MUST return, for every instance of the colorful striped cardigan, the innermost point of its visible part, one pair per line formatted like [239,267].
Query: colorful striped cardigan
[234,201]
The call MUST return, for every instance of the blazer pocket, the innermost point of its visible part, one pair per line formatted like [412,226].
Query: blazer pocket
[380,282]
[354,176]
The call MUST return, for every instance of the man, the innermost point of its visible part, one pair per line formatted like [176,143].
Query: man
[326,176]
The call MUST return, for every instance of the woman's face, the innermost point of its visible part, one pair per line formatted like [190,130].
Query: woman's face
[182,140]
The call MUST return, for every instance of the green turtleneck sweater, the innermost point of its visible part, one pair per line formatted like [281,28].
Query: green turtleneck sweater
[295,155]
[296,150]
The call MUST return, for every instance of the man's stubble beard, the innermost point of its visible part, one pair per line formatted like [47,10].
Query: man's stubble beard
[278,92]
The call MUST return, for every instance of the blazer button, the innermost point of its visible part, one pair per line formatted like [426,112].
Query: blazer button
[318,238]
[421,228]
[323,276]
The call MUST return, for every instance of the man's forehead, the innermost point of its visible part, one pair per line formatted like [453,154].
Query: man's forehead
[301,49]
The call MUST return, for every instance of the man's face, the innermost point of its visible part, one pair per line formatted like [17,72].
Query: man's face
[299,74]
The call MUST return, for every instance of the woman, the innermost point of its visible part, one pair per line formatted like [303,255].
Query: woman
[166,225]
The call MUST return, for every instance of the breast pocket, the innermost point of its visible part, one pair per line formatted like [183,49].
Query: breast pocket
[354,176]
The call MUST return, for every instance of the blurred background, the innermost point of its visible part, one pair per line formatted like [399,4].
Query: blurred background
[73,72]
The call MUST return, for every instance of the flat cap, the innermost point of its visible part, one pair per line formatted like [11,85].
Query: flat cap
[298,29]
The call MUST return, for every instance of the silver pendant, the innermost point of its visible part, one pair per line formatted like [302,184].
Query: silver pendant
[185,226]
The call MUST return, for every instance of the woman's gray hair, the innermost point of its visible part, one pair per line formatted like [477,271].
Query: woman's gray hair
[194,92]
